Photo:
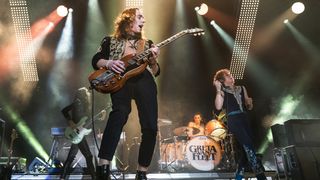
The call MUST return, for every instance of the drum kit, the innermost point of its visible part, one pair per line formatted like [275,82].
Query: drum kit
[212,150]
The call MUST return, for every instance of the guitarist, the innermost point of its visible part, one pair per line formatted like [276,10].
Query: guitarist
[79,108]
[128,39]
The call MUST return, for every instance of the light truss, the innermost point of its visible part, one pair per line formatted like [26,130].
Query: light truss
[248,13]
[21,23]
[134,3]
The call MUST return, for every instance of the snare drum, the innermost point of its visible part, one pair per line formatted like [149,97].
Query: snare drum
[216,130]
[203,153]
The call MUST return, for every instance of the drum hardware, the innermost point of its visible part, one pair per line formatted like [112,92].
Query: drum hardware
[185,131]
[133,154]
[172,151]
[228,162]
[121,153]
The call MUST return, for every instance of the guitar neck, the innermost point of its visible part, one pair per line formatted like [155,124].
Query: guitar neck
[13,137]
[171,39]
[89,122]
[147,52]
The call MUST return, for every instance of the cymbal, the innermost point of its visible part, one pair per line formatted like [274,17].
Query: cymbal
[163,122]
[184,130]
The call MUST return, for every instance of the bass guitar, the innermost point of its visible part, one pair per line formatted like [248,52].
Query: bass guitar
[107,81]
[75,134]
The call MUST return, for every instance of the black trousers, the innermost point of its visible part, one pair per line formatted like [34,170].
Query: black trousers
[143,90]
[85,150]
[239,126]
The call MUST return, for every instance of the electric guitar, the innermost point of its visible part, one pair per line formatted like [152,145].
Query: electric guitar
[76,134]
[107,81]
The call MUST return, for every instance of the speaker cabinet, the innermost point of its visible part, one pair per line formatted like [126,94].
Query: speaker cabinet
[280,138]
[303,162]
[303,132]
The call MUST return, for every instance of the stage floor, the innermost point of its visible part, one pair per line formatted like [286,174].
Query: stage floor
[153,176]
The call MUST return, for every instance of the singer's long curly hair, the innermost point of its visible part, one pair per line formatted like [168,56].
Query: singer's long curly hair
[123,24]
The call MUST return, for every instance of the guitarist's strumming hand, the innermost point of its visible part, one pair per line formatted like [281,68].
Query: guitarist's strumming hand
[115,65]
[72,124]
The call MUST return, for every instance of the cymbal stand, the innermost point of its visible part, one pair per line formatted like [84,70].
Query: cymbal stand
[170,165]
[229,152]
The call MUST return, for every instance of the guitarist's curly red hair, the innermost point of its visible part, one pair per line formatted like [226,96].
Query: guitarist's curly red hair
[123,22]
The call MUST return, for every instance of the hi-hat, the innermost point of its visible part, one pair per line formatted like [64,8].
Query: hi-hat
[163,122]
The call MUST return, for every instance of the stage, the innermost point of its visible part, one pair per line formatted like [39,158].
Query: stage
[159,176]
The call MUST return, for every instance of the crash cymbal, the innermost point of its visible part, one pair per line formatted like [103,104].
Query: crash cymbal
[184,130]
[164,122]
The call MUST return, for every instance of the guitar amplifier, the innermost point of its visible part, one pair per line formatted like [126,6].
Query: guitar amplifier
[303,162]
[303,132]
[280,138]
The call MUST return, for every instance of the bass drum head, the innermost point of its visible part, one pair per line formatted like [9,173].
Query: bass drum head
[203,153]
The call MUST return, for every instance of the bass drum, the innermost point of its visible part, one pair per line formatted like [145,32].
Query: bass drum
[203,153]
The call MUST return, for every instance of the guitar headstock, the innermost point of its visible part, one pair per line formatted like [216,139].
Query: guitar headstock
[14,134]
[194,31]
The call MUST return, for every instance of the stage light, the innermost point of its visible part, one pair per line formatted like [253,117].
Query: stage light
[286,21]
[202,10]
[62,11]
[64,49]
[297,7]
[225,36]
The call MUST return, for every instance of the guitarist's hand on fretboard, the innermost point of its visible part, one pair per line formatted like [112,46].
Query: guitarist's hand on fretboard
[155,51]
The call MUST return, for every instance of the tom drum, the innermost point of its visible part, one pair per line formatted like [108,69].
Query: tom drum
[216,130]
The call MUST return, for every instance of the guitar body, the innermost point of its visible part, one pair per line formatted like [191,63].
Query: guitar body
[109,82]
[75,135]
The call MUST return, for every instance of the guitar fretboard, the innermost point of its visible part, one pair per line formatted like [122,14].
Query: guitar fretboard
[143,56]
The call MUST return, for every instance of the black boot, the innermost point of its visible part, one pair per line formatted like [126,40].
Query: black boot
[261,176]
[66,168]
[141,175]
[103,172]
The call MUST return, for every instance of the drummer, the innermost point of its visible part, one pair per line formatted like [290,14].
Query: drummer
[196,126]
